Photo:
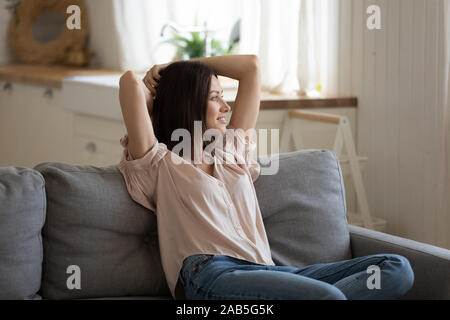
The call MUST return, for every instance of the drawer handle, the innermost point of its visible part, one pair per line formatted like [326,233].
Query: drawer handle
[91,147]
[48,93]
[7,86]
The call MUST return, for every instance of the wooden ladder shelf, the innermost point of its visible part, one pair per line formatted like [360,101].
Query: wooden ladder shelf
[343,138]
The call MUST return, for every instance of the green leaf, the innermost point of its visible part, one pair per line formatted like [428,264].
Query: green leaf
[195,46]
[178,37]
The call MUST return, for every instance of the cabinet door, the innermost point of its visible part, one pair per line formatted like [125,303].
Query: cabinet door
[10,122]
[95,152]
[96,141]
[34,126]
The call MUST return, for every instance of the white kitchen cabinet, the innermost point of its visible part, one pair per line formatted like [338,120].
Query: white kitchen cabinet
[33,126]
[96,141]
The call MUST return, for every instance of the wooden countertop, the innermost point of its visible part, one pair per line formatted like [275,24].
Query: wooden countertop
[275,101]
[48,76]
[51,76]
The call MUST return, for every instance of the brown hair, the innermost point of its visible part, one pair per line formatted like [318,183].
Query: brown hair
[182,97]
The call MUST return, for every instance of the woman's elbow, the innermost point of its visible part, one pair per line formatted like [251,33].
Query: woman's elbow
[129,77]
[254,61]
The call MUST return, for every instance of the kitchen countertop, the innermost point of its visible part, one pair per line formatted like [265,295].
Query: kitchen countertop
[47,76]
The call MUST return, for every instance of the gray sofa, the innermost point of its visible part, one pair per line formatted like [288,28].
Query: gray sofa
[73,232]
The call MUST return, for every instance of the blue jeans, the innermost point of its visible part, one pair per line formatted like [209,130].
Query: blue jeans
[216,277]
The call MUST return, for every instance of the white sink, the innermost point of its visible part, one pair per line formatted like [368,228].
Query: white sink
[94,95]
[99,95]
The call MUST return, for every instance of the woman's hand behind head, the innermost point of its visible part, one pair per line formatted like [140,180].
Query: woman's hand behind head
[152,77]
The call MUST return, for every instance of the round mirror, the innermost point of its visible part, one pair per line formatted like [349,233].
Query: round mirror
[38,34]
[48,26]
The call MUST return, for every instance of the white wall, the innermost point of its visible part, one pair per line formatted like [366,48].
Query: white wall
[395,72]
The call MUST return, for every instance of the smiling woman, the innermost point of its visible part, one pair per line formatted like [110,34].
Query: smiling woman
[246,69]
[182,98]
[212,238]
[199,216]
[199,95]
[216,108]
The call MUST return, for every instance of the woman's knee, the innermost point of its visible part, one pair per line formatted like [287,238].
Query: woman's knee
[305,288]
[332,293]
[320,290]
[403,273]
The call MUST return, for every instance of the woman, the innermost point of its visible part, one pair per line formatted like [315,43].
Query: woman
[211,235]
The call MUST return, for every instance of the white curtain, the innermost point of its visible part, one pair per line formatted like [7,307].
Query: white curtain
[138,25]
[126,34]
[297,43]
[296,40]
[444,182]
[123,34]
[269,30]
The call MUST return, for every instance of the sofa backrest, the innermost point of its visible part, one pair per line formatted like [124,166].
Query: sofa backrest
[22,215]
[304,209]
[93,226]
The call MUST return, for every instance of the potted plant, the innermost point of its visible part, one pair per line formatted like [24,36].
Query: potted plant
[193,46]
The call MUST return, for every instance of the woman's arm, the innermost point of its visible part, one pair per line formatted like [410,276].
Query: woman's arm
[244,68]
[133,103]
[148,97]
[234,66]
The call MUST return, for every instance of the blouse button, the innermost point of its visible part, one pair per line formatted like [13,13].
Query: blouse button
[220,184]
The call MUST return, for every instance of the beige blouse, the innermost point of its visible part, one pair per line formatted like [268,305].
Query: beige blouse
[198,213]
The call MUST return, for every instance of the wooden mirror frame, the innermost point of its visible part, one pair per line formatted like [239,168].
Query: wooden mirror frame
[28,50]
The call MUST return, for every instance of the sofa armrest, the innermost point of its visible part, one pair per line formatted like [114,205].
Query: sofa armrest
[431,264]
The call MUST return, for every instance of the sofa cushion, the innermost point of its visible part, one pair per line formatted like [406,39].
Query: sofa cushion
[93,224]
[22,215]
[304,209]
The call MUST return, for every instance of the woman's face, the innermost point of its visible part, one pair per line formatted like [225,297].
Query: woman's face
[216,107]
